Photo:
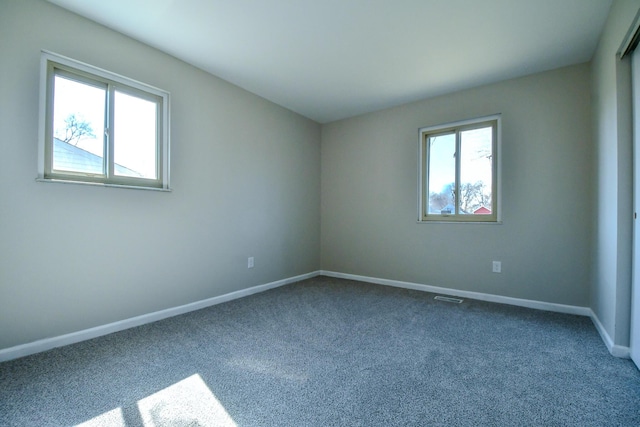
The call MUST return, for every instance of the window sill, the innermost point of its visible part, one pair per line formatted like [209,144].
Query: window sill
[444,221]
[101,184]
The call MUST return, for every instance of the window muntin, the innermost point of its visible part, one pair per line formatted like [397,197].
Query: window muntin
[99,127]
[459,171]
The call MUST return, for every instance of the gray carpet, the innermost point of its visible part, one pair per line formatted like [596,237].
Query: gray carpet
[330,352]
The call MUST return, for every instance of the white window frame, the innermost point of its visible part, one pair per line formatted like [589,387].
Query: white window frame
[50,65]
[423,152]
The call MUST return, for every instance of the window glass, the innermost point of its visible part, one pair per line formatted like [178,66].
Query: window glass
[476,169]
[135,128]
[78,126]
[442,173]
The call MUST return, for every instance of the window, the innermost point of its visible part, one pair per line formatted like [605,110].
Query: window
[459,173]
[101,128]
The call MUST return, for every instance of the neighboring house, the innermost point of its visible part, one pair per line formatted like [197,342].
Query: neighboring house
[482,211]
[447,209]
[69,157]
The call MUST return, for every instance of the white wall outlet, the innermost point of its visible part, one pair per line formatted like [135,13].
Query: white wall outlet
[497,266]
[250,262]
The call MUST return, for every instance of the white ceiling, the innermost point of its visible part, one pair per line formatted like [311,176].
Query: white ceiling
[332,59]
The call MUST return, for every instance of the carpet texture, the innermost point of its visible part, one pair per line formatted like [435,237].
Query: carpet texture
[331,352]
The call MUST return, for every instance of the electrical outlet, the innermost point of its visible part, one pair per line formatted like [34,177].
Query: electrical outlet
[497,266]
[250,262]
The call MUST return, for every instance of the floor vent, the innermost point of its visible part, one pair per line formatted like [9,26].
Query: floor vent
[448,299]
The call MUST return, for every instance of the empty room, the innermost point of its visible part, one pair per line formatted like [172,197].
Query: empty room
[319,213]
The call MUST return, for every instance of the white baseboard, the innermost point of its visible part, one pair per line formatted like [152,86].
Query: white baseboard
[87,334]
[539,305]
[615,350]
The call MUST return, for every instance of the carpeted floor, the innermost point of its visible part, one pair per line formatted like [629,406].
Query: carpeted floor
[331,352]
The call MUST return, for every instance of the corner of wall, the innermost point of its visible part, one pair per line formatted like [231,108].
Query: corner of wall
[611,111]
[620,351]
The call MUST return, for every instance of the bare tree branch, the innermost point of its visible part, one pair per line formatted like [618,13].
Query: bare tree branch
[76,128]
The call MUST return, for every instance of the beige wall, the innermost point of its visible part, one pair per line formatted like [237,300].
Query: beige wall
[611,87]
[369,194]
[245,177]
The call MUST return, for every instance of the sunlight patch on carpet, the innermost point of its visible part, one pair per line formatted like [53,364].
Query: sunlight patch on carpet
[112,418]
[186,403]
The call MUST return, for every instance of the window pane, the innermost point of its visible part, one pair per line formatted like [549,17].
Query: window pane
[442,173]
[135,138]
[78,126]
[476,165]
